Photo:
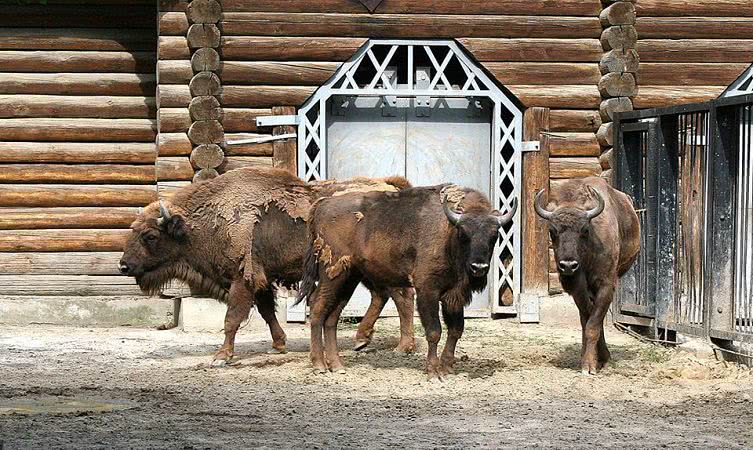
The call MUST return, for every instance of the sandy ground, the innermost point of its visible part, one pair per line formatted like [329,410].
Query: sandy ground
[517,386]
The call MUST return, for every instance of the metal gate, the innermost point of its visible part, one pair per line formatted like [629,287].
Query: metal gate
[393,99]
[690,171]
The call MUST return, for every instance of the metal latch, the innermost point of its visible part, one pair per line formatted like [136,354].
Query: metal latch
[531,146]
[423,80]
[277,121]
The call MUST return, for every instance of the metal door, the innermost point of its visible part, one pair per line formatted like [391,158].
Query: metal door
[445,140]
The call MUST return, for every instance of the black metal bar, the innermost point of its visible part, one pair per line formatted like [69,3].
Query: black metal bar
[636,126]
[684,109]
[719,283]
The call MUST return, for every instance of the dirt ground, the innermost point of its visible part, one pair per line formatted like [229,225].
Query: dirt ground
[517,386]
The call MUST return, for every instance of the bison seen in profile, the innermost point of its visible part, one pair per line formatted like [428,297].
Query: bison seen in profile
[439,240]
[235,238]
[596,236]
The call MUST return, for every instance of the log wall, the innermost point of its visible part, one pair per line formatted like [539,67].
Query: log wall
[77,141]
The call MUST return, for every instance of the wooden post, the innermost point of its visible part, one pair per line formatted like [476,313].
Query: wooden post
[284,150]
[535,239]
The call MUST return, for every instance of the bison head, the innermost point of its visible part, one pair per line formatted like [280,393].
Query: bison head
[154,247]
[570,230]
[477,233]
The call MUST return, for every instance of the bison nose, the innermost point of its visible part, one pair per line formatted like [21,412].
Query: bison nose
[479,269]
[123,267]
[568,267]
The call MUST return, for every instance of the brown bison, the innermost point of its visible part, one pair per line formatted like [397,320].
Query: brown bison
[235,238]
[596,237]
[438,240]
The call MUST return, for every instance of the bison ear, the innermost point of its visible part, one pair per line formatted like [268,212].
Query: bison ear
[176,227]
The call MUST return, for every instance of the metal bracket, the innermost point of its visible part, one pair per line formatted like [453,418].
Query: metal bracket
[277,121]
[262,139]
[531,146]
[423,103]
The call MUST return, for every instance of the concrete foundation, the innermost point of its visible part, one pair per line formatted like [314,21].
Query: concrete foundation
[208,315]
[88,311]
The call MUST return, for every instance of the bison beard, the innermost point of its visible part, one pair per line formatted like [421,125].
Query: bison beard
[408,238]
[596,237]
[234,238]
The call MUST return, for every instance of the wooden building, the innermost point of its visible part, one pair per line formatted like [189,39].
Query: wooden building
[106,105]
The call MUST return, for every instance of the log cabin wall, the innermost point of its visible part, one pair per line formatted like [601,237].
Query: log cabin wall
[77,142]
[690,50]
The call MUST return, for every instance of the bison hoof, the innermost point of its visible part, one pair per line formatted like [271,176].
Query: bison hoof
[405,348]
[217,363]
[277,351]
[361,344]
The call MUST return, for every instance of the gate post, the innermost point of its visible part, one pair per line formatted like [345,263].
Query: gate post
[284,150]
[535,238]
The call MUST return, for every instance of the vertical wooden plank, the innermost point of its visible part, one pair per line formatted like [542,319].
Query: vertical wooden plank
[535,238]
[666,217]
[720,282]
[284,150]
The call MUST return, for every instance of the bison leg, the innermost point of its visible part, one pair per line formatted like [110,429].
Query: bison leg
[591,363]
[366,327]
[322,302]
[428,311]
[265,303]
[403,299]
[240,301]
[455,321]
[330,326]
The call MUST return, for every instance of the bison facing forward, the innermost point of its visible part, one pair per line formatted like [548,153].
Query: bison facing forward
[596,236]
[415,237]
[234,237]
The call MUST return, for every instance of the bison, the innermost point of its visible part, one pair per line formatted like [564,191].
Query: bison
[235,238]
[596,237]
[439,240]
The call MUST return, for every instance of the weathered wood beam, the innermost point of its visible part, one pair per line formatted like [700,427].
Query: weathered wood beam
[73,61]
[77,152]
[80,130]
[110,84]
[77,173]
[64,240]
[73,106]
[55,195]
[49,218]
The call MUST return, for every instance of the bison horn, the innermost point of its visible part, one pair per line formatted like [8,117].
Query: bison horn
[504,220]
[540,210]
[453,216]
[164,213]
[591,213]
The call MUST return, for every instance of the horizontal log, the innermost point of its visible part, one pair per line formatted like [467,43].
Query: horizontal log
[174,72]
[70,61]
[205,59]
[205,174]
[563,96]
[619,61]
[606,160]
[77,173]
[277,73]
[408,25]
[574,167]
[203,35]
[174,144]
[173,47]
[610,106]
[174,120]
[77,106]
[174,168]
[541,50]
[69,263]
[236,162]
[173,24]
[172,5]
[544,73]
[68,285]
[573,120]
[689,74]
[521,7]
[166,189]
[698,8]
[56,195]
[605,135]
[78,83]
[65,240]
[76,152]
[83,16]
[696,50]
[617,85]
[618,13]
[264,96]
[204,83]
[620,37]
[205,107]
[101,130]
[206,132]
[47,218]
[263,149]
[173,96]
[733,27]
[207,156]
[79,39]
[657,96]
[204,11]
[242,119]
[573,144]
[288,48]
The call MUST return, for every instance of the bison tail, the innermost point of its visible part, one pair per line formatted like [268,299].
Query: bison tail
[310,274]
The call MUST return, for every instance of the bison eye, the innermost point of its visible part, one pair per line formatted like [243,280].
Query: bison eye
[584,231]
[149,238]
